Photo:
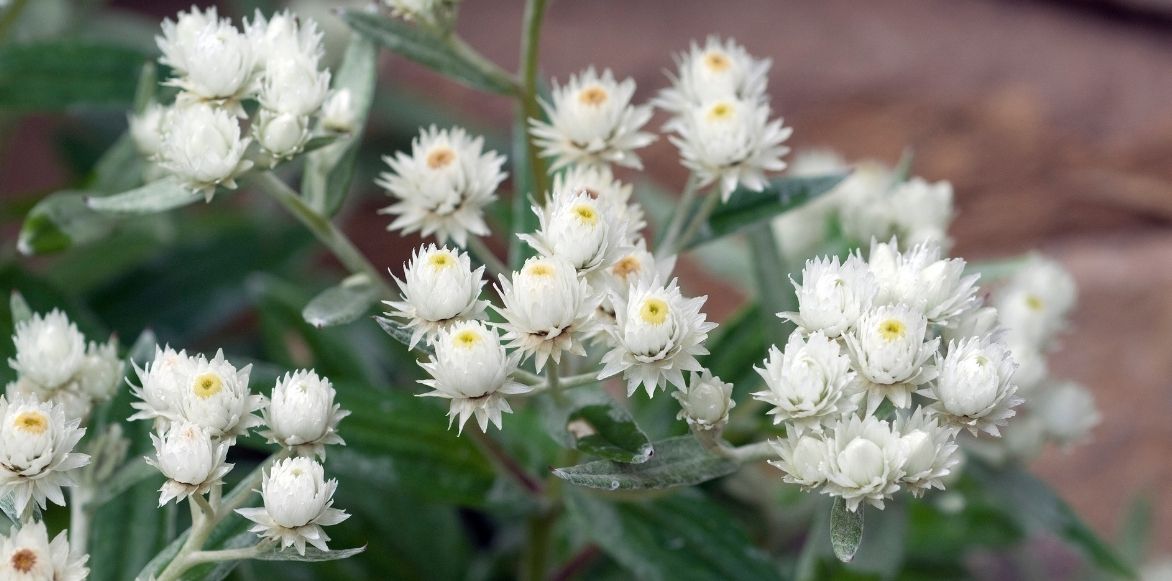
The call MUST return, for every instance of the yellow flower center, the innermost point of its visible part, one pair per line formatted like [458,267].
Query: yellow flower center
[892,329]
[721,111]
[31,421]
[626,266]
[585,213]
[593,96]
[716,61]
[206,385]
[539,269]
[466,338]
[1034,302]
[653,311]
[441,259]
[440,157]
[24,560]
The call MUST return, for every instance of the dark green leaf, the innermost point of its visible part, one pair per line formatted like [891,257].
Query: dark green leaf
[678,461]
[59,221]
[747,207]
[341,304]
[775,292]
[158,196]
[846,529]
[608,431]
[50,75]
[328,171]
[430,50]
[681,537]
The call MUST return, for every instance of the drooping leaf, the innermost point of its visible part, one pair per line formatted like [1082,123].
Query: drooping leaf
[846,530]
[746,208]
[158,196]
[59,221]
[328,171]
[341,304]
[682,537]
[431,50]
[679,461]
[55,74]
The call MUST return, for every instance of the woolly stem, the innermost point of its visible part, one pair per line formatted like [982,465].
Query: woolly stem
[530,108]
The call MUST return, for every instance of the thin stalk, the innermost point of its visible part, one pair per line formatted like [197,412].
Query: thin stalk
[225,554]
[699,219]
[747,454]
[666,247]
[553,383]
[563,383]
[484,254]
[486,66]
[530,108]
[321,227]
[507,463]
[79,518]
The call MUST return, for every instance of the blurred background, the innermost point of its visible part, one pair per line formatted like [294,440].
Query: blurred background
[1050,118]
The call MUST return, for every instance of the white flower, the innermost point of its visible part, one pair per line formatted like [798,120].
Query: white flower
[202,146]
[592,121]
[804,459]
[293,84]
[657,336]
[718,69]
[920,278]
[731,141]
[49,349]
[579,228]
[440,289]
[282,135]
[921,211]
[298,502]
[890,351]
[28,555]
[214,395]
[338,114]
[101,371]
[629,269]
[302,415]
[1067,411]
[975,388]
[1036,301]
[600,183]
[930,451]
[471,368]
[548,309]
[865,461]
[808,384]
[146,129]
[161,383]
[443,186]
[214,60]
[191,458]
[283,36]
[36,451]
[832,297]
[977,322]
[705,402]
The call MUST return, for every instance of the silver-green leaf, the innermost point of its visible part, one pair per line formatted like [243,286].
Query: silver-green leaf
[846,530]
[158,196]
[341,304]
[746,207]
[679,461]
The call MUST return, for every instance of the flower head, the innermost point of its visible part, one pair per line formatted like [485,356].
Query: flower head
[592,121]
[832,296]
[929,449]
[921,211]
[298,502]
[28,555]
[803,458]
[808,384]
[214,395]
[719,68]
[293,85]
[440,289]
[865,461]
[203,147]
[547,308]
[600,184]
[284,36]
[302,415]
[656,337]
[891,350]
[1067,411]
[580,228]
[471,368]
[191,458]
[281,135]
[920,278]
[705,402]
[443,186]
[36,451]
[161,383]
[1035,302]
[213,60]
[49,349]
[975,388]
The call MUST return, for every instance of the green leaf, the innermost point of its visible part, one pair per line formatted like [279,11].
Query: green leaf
[681,537]
[52,75]
[523,218]
[431,50]
[21,312]
[746,208]
[341,304]
[402,335]
[1036,506]
[598,426]
[846,530]
[158,196]
[119,169]
[775,292]
[680,461]
[59,221]
[128,475]
[329,171]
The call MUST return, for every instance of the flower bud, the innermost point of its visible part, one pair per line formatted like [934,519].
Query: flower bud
[338,114]
[440,288]
[302,412]
[831,298]
[49,349]
[298,501]
[975,386]
[808,383]
[190,459]
[202,146]
[706,401]
[282,134]
[471,368]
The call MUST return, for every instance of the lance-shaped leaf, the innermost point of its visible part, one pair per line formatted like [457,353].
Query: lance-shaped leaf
[444,55]
[747,207]
[680,461]
[341,304]
[52,75]
[158,196]
[595,424]
[59,221]
[846,530]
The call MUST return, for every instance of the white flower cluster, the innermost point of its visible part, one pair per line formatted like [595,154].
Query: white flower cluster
[201,406]
[892,327]
[54,363]
[276,61]
[27,554]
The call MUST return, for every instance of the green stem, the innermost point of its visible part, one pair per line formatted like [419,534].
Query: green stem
[562,383]
[698,220]
[486,66]
[321,227]
[553,383]
[666,246]
[226,554]
[747,454]
[79,518]
[530,108]
[486,257]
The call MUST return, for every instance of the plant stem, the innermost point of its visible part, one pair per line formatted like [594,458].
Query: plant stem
[321,227]
[747,454]
[563,383]
[486,257]
[667,246]
[506,462]
[699,219]
[530,109]
[486,66]
[225,554]
[553,382]
[79,518]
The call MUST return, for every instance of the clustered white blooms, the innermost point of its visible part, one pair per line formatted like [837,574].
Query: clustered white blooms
[36,451]
[27,554]
[440,289]
[201,406]
[54,363]
[203,138]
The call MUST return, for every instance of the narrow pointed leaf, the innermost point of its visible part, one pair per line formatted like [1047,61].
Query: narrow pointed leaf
[680,461]
[158,196]
[595,424]
[341,304]
[747,207]
[846,530]
[59,221]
